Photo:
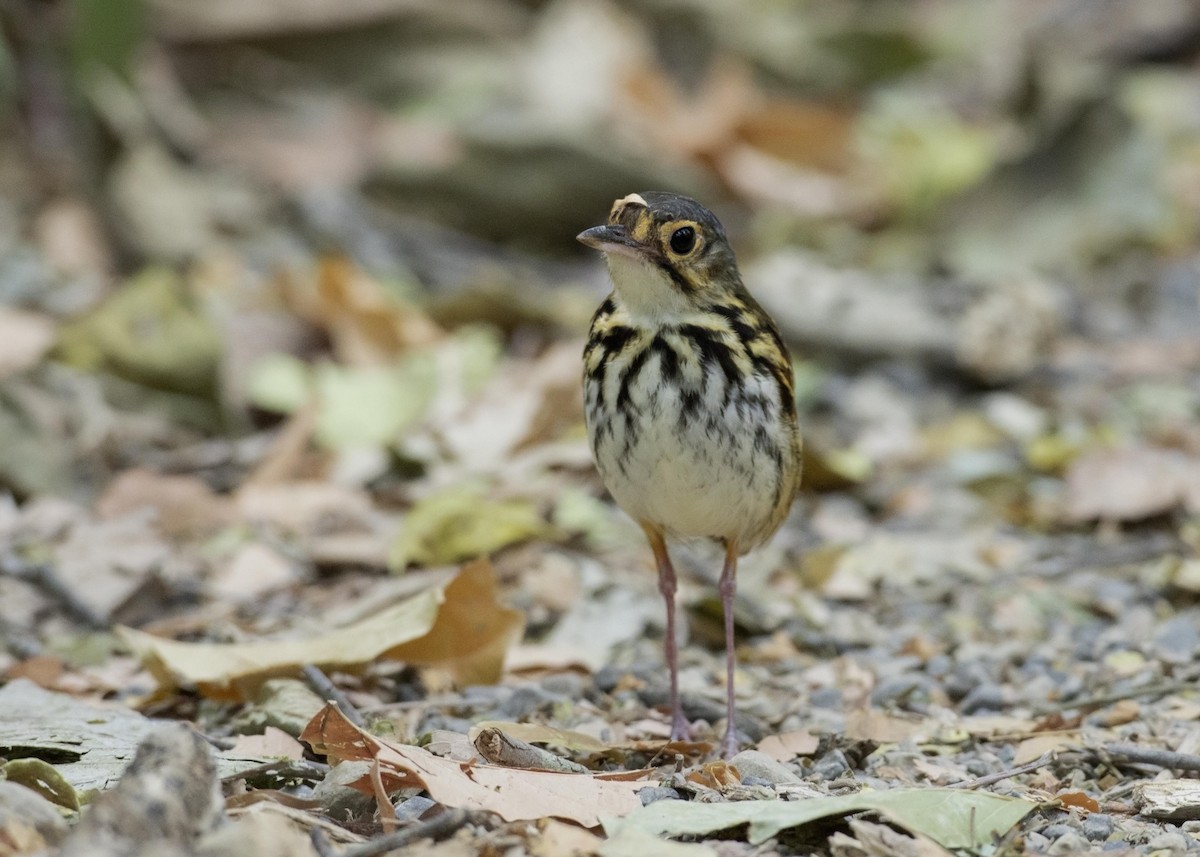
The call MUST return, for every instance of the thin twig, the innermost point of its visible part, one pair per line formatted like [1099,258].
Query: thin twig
[1134,754]
[45,578]
[329,691]
[436,828]
[1106,556]
[1040,761]
[1093,702]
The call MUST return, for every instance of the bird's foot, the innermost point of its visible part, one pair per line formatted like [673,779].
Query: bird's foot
[681,730]
[729,744]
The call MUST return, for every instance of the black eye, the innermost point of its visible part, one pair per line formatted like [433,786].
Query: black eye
[683,240]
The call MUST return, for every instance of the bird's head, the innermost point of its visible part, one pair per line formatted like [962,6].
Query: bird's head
[667,253]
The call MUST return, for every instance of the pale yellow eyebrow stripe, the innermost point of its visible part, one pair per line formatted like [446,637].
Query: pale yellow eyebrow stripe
[633,197]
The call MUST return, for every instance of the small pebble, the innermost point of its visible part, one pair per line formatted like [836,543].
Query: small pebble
[1054,831]
[752,763]
[1178,640]
[413,808]
[984,697]
[568,685]
[1071,842]
[607,677]
[966,677]
[831,766]
[490,692]
[825,697]
[980,768]
[1035,843]
[1168,844]
[650,794]
[896,689]
[523,703]
[1098,826]
[337,798]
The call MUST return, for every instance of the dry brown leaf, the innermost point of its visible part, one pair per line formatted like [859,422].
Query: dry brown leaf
[368,325]
[525,404]
[991,725]
[1039,745]
[1120,712]
[714,775]
[1079,799]
[263,834]
[274,743]
[1131,483]
[788,745]
[185,506]
[253,570]
[871,724]
[25,337]
[534,733]
[458,626]
[73,238]
[306,506]
[514,795]
[559,839]
[111,564]
[42,670]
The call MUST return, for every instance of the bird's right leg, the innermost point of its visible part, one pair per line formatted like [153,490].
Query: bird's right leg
[680,730]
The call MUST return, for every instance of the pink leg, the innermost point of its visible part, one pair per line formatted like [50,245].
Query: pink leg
[680,730]
[728,587]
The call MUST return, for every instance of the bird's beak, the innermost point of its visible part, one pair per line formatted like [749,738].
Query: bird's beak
[611,238]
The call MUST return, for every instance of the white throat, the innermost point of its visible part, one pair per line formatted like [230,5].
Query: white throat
[647,292]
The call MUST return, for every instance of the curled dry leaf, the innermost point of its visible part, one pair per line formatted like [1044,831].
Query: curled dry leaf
[368,325]
[514,795]
[458,625]
[1131,483]
[25,337]
[184,506]
[536,733]
[500,748]
[788,745]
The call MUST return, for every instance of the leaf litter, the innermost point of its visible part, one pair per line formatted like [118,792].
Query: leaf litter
[294,384]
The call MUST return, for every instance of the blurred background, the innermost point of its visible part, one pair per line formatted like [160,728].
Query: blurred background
[215,214]
[290,299]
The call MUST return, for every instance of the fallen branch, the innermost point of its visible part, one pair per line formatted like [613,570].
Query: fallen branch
[1134,754]
[332,693]
[988,779]
[436,828]
[1094,702]
[45,578]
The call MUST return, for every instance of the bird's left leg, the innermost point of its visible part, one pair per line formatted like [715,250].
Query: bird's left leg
[728,588]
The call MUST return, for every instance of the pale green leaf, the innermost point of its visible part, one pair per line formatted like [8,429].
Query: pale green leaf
[952,818]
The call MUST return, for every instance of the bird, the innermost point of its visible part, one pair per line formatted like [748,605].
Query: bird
[689,401]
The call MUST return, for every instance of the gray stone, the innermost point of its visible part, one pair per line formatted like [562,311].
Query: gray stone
[18,803]
[1098,826]
[753,763]
[339,801]
[650,794]
[1071,842]
[1175,843]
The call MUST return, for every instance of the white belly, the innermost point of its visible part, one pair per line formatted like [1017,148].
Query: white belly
[710,470]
